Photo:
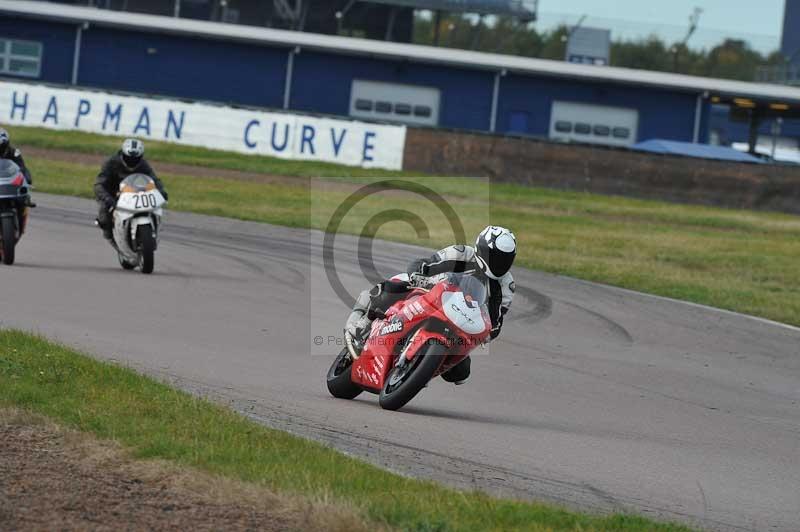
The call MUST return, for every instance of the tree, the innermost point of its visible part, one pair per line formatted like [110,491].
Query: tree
[732,59]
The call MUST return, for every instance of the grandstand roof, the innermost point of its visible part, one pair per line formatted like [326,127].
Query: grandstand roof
[400,51]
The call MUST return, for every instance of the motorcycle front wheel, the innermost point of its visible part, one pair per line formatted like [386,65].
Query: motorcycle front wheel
[404,382]
[147,248]
[340,384]
[9,236]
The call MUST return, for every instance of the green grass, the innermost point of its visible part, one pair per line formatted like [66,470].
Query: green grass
[738,260]
[156,421]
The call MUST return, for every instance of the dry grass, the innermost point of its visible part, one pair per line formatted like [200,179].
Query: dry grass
[90,453]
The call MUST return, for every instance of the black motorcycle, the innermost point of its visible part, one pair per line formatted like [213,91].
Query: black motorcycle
[14,200]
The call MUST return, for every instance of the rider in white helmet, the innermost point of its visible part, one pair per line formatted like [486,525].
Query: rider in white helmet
[127,161]
[10,152]
[491,257]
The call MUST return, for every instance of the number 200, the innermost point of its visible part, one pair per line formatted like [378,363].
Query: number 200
[144,201]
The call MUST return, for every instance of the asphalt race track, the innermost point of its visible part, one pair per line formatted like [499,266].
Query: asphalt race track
[594,397]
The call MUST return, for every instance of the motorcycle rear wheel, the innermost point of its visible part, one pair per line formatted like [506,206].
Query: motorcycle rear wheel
[147,248]
[395,396]
[9,238]
[340,383]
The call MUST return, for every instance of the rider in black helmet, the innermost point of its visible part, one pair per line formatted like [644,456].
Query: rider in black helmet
[491,258]
[127,161]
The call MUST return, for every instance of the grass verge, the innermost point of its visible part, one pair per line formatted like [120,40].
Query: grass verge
[158,422]
[58,478]
[738,260]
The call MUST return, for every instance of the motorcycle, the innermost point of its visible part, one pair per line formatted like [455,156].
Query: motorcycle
[415,340]
[14,193]
[137,219]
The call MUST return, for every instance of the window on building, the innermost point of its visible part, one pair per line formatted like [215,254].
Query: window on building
[562,126]
[583,129]
[20,58]
[622,133]
[602,131]
[410,104]
[423,111]
[364,105]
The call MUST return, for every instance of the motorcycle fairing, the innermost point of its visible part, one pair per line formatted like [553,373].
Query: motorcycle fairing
[415,322]
[139,203]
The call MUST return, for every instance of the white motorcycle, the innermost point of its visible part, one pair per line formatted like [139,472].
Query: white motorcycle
[137,219]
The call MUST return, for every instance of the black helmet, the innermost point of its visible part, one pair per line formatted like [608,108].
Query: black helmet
[132,152]
[495,251]
[4,140]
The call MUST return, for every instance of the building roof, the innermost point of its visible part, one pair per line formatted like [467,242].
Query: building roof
[700,151]
[401,51]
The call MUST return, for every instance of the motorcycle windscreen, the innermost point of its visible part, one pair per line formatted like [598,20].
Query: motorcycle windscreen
[8,169]
[137,183]
[466,307]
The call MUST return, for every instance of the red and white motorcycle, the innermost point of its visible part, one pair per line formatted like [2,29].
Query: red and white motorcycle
[414,341]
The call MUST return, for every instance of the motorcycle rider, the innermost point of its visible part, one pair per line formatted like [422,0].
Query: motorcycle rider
[8,151]
[491,259]
[127,161]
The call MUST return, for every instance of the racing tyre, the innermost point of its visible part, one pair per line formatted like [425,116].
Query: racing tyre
[9,236]
[404,383]
[147,248]
[339,382]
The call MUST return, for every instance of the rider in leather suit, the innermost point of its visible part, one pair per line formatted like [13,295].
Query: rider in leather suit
[491,258]
[127,161]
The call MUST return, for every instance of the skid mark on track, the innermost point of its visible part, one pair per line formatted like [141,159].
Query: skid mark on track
[615,328]
[541,309]
[216,248]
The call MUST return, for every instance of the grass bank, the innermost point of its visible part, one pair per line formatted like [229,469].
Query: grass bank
[158,422]
[738,260]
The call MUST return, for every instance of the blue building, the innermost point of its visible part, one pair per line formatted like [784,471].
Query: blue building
[366,79]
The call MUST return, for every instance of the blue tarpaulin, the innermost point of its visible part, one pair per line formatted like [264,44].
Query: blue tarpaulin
[701,151]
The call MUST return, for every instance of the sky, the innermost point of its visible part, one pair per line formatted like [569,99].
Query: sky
[758,21]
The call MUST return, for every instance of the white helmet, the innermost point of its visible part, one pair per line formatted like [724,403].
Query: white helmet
[132,153]
[495,250]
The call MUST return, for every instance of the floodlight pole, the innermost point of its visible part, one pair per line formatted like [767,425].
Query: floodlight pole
[177,12]
[694,20]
